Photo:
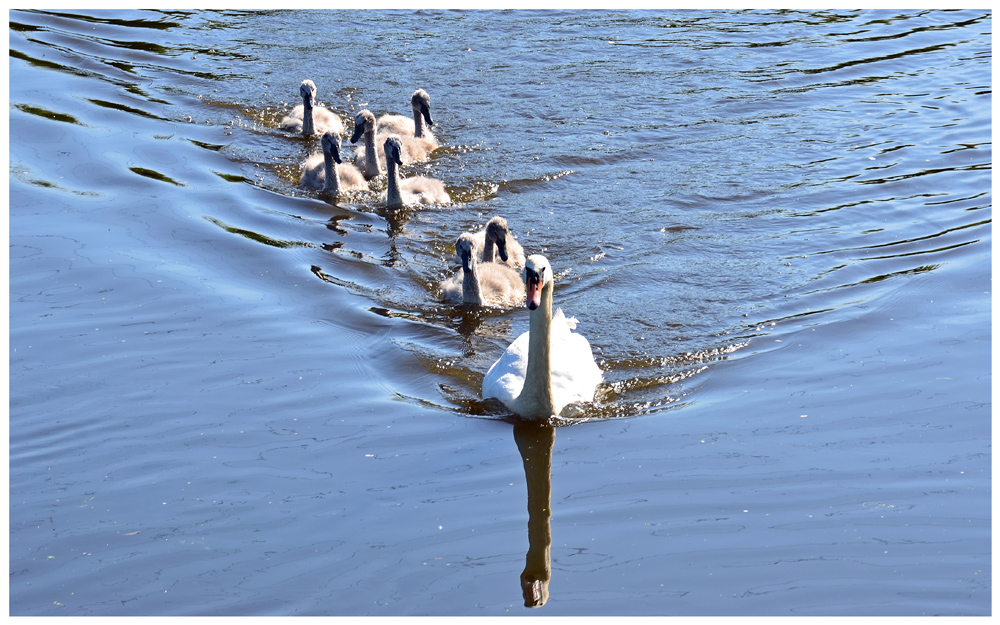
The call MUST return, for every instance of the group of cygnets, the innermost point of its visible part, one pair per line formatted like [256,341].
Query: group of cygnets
[547,370]
[389,142]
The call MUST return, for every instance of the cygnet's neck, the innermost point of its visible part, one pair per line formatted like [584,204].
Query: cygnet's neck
[471,293]
[489,250]
[308,128]
[393,198]
[418,122]
[371,154]
[332,183]
[535,401]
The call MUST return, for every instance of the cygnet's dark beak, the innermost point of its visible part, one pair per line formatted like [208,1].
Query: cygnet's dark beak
[359,130]
[502,248]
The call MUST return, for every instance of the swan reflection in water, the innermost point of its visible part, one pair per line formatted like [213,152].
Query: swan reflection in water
[535,442]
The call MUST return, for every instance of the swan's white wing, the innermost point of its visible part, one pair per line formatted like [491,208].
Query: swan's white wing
[575,374]
[505,379]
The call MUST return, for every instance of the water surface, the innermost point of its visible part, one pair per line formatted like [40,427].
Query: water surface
[233,395]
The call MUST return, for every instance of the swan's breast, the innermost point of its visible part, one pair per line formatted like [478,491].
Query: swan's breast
[505,379]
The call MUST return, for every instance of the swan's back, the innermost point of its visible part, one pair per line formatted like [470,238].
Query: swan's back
[351,178]
[451,288]
[500,284]
[418,148]
[327,121]
[420,103]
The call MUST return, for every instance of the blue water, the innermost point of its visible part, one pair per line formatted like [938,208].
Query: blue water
[231,395]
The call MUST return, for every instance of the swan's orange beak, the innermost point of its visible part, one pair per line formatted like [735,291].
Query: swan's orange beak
[533,289]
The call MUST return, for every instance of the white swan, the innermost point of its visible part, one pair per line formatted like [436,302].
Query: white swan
[328,172]
[308,118]
[481,284]
[496,238]
[412,190]
[549,366]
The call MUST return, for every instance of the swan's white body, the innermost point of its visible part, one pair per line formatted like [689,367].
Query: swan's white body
[310,119]
[481,284]
[412,190]
[495,239]
[548,367]
[327,171]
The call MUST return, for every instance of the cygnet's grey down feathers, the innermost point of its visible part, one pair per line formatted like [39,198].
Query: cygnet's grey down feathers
[309,119]
[481,284]
[412,190]
[326,170]
[416,140]
[406,127]
[494,243]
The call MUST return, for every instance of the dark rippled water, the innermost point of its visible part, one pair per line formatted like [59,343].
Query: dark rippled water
[230,395]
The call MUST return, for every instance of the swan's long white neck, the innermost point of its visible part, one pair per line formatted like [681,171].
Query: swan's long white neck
[332,177]
[535,400]
[392,195]
[308,128]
